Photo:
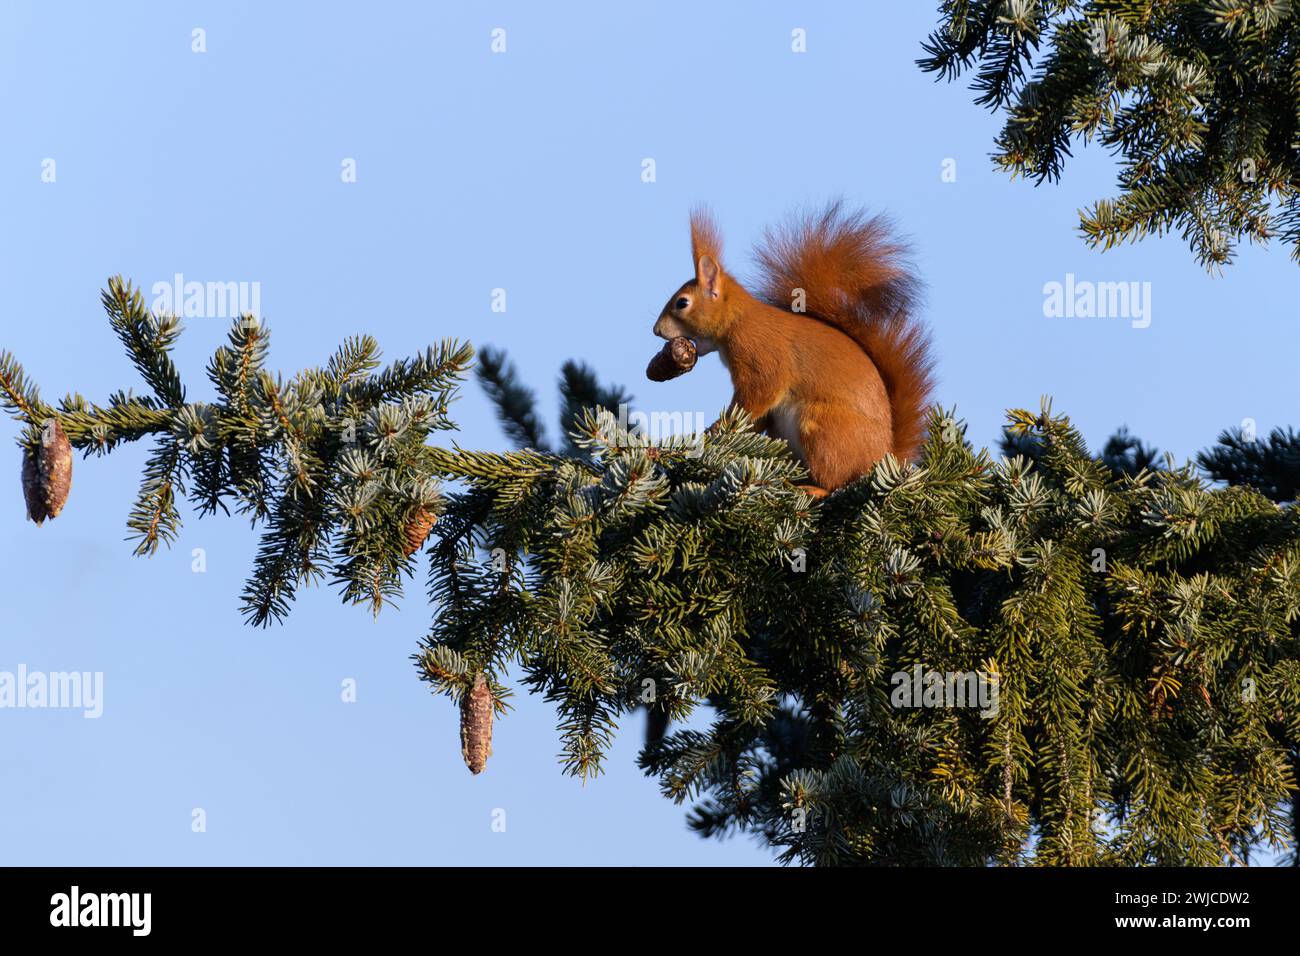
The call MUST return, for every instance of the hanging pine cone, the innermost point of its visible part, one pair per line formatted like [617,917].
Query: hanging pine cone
[476,725]
[47,473]
[417,529]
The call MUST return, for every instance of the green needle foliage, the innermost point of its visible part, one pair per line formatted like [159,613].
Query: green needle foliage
[1272,465]
[329,464]
[516,403]
[1199,99]
[1140,626]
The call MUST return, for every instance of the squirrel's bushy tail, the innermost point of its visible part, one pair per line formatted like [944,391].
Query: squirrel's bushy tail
[855,275]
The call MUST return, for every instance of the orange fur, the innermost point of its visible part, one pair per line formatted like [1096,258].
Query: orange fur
[844,382]
[705,238]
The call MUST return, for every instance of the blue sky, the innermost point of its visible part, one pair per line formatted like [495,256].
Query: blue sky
[478,171]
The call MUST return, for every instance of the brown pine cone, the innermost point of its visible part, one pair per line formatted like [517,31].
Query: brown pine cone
[677,357]
[47,474]
[476,725]
[417,529]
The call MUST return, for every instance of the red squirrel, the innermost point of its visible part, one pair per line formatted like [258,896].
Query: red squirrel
[827,354]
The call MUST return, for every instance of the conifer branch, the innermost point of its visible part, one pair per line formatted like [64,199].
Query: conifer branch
[280,449]
[1141,627]
[515,403]
[1200,101]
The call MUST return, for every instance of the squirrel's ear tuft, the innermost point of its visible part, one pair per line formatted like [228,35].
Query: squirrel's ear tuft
[705,240]
[709,275]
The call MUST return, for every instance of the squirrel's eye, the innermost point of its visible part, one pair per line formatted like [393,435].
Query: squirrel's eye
[683,302]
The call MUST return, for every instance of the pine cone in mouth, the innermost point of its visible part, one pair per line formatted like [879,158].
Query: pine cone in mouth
[677,357]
